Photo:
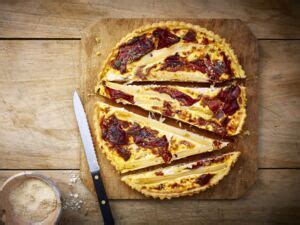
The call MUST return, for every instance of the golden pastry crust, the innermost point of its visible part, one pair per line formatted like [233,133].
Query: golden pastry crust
[132,142]
[214,47]
[182,179]
[220,110]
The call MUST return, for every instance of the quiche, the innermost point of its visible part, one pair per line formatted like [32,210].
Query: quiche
[171,51]
[149,68]
[132,142]
[218,109]
[182,179]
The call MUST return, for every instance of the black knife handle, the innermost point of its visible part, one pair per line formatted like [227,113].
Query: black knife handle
[102,199]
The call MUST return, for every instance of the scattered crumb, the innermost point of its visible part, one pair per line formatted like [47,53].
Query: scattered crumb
[90,94]
[98,53]
[98,40]
[246,132]
[73,202]
[73,177]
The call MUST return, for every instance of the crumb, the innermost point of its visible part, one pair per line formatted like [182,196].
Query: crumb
[73,178]
[246,132]
[90,94]
[73,202]
[98,53]
[98,40]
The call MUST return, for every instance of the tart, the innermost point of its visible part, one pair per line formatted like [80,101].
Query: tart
[182,179]
[132,142]
[141,70]
[171,51]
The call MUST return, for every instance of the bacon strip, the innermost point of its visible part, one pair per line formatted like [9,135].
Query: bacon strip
[214,69]
[117,133]
[117,94]
[190,36]
[183,98]
[165,38]
[131,51]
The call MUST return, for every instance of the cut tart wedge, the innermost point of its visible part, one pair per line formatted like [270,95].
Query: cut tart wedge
[220,110]
[182,179]
[132,142]
[171,51]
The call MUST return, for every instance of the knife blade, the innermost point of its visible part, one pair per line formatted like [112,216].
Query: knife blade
[89,150]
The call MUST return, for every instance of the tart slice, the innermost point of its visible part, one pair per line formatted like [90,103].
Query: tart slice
[182,179]
[220,110]
[172,51]
[132,142]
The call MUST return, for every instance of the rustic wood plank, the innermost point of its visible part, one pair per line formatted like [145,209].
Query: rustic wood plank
[34,133]
[279,104]
[243,175]
[67,19]
[37,123]
[273,200]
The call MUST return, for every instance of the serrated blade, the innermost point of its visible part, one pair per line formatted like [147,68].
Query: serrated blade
[85,133]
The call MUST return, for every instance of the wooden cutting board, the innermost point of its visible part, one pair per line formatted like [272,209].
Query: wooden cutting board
[97,43]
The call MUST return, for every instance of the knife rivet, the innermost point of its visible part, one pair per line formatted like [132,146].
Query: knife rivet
[96,177]
[103,202]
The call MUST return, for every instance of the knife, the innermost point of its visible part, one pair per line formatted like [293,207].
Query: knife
[92,160]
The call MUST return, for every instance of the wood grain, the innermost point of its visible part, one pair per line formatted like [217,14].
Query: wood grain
[280,104]
[37,123]
[40,143]
[67,19]
[268,202]
[109,32]
[34,72]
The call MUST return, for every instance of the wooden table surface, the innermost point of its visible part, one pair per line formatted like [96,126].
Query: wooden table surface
[39,70]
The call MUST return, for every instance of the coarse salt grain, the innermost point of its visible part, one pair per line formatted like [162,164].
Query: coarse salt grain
[73,202]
